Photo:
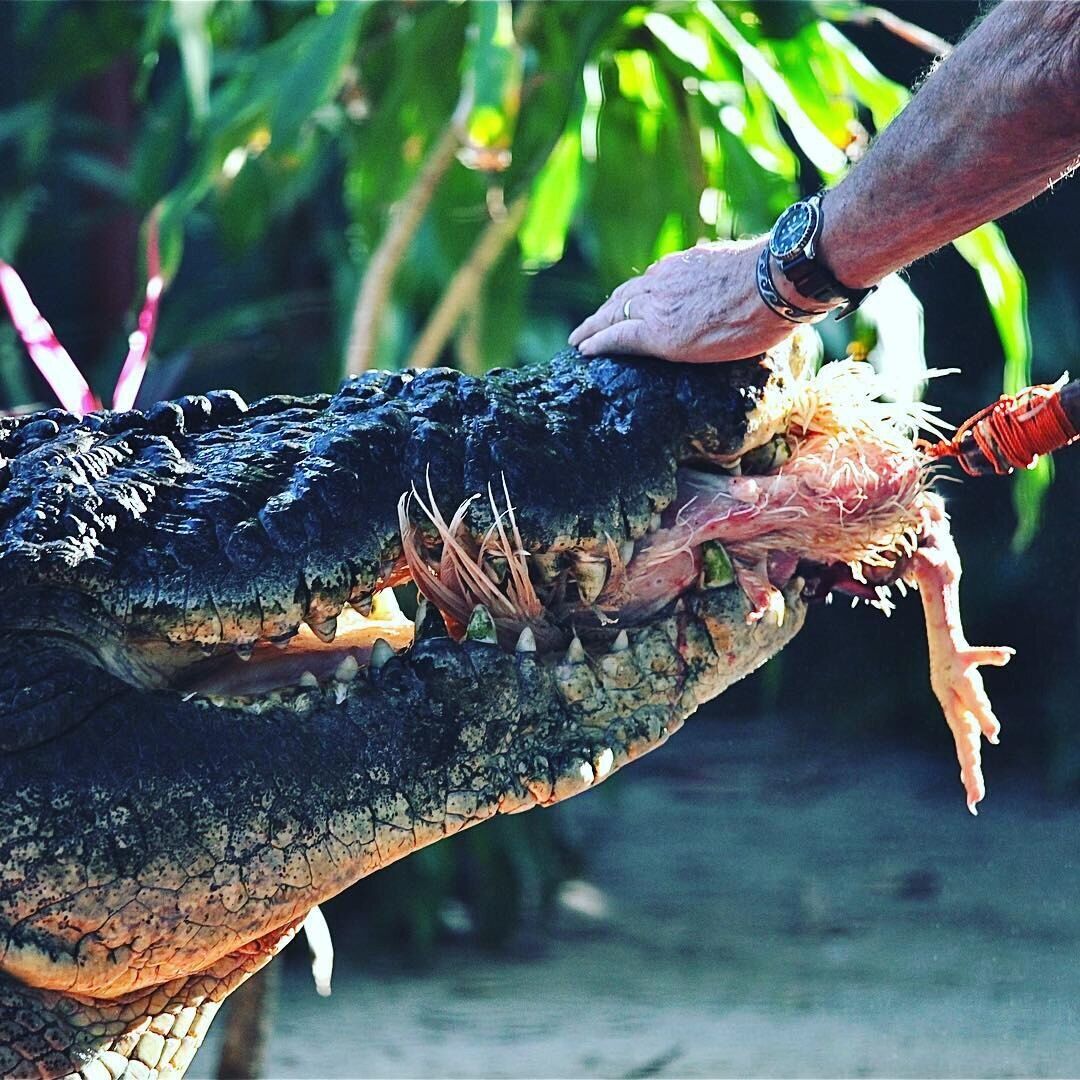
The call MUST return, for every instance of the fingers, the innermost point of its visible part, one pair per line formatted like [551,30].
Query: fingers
[612,311]
[627,336]
[595,322]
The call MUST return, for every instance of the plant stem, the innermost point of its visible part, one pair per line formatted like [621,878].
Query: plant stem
[466,283]
[378,281]
[405,218]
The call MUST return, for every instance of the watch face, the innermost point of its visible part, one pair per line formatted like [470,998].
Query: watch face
[792,231]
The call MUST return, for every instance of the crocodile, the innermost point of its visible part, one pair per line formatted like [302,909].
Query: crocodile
[214,714]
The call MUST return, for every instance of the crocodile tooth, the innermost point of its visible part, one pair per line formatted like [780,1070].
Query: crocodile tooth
[575,653]
[322,950]
[429,622]
[626,551]
[546,567]
[347,669]
[716,568]
[591,577]
[481,626]
[243,652]
[777,607]
[341,692]
[282,642]
[381,651]
[604,762]
[362,606]
[621,642]
[526,641]
[308,680]
[654,523]
[495,569]
[609,665]
[385,607]
[325,631]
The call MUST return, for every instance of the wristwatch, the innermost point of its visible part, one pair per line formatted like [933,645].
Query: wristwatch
[793,244]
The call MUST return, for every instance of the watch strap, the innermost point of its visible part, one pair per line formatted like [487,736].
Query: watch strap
[767,292]
[811,278]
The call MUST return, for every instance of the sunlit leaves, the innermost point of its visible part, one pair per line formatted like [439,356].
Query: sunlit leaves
[491,87]
[824,151]
[1003,282]
[267,101]
[554,198]
[647,168]
[894,317]
[883,97]
[189,19]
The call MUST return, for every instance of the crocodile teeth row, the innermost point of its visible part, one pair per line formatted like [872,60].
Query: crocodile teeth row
[483,631]
[382,606]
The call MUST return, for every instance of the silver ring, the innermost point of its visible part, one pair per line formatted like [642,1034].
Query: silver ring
[626,308]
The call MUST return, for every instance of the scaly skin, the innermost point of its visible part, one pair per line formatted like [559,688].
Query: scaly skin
[156,847]
[208,522]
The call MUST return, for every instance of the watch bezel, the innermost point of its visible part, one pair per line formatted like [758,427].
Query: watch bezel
[803,245]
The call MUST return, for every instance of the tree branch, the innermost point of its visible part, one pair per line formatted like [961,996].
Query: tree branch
[378,281]
[466,283]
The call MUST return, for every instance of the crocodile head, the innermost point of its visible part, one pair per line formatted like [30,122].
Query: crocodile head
[214,714]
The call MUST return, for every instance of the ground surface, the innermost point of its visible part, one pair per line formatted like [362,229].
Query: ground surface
[759,904]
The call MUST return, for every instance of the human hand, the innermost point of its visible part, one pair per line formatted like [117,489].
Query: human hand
[697,305]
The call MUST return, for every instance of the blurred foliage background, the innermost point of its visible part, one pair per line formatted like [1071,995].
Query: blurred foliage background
[346,185]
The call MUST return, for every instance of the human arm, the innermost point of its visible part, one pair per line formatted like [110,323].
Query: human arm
[994,125]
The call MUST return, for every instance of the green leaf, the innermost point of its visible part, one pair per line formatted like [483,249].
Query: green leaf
[97,172]
[986,251]
[554,197]
[304,69]
[409,102]
[1003,282]
[564,40]
[671,237]
[78,40]
[823,151]
[648,166]
[883,97]
[266,101]
[895,318]
[492,84]
[189,19]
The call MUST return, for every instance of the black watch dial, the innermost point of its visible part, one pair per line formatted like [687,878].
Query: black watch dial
[792,231]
